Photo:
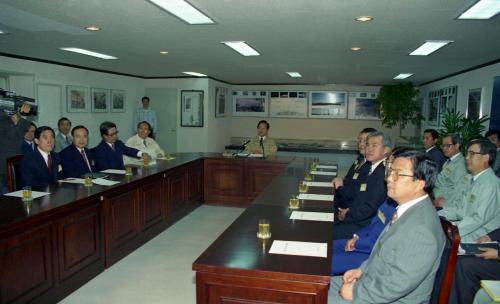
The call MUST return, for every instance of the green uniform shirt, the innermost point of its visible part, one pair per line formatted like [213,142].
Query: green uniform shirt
[448,181]
[270,147]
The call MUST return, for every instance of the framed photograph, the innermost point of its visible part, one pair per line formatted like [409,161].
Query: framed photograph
[433,109]
[328,104]
[250,103]
[220,101]
[77,99]
[288,104]
[363,106]
[99,100]
[474,104]
[118,100]
[192,108]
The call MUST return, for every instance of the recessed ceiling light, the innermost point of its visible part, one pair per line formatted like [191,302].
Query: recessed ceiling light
[195,74]
[184,11]
[2,32]
[241,47]
[483,9]
[364,18]
[294,74]
[87,52]
[355,48]
[164,52]
[403,76]
[430,46]
[93,28]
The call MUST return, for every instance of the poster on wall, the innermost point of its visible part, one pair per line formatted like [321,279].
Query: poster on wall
[328,104]
[220,101]
[99,100]
[191,108]
[474,104]
[363,105]
[76,99]
[433,109]
[250,103]
[288,104]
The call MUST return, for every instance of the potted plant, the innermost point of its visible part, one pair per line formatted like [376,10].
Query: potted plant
[467,128]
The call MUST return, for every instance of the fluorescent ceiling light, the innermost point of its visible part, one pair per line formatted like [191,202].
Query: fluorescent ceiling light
[430,46]
[2,32]
[241,47]
[93,28]
[403,76]
[355,48]
[164,52]
[89,53]
[483,9]
[364,18]
[184,11]
[294,74]
[195,74]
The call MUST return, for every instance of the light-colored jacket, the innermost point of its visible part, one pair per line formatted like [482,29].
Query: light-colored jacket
[150,147]
[270,147]
[62,142]
[450,177]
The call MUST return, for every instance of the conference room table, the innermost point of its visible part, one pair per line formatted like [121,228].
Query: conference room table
[54,244]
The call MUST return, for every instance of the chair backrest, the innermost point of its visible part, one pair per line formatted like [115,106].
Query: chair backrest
[444,275]
[13,173]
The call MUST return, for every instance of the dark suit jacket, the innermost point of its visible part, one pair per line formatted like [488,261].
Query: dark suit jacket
[436,155]
[73,164]
[345,194]
[106,158]
[34,171]
[26,148]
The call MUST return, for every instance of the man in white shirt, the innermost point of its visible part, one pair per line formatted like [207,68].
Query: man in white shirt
[141,141]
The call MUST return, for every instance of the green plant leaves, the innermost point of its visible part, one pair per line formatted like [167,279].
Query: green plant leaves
[398,105]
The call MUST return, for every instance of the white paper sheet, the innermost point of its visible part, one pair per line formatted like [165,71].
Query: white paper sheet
[72,180]
[316,197]
[242,154]
[299,248]
[312,216]
[104,182]
[319,184]
[256,155]
[324,173]
[34,194]
[114,171]
[164,158]
[326,167]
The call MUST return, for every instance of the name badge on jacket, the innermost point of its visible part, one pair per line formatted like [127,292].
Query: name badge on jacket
[355,176]
[362,187]
[381,216]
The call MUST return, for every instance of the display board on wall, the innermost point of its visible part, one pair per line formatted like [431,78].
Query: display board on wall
[250,103]
[288,104]
[221,100]
[440,102]
[328,104]
[363,105]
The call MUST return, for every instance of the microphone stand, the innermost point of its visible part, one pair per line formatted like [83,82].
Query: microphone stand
[243,146]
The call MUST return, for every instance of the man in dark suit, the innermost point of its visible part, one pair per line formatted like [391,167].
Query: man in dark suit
[76,159]
[370,194]
[109,153]
[429,139]
[40,168]
[28,144]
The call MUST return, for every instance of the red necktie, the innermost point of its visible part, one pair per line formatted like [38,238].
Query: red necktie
[49,163]
[82,152]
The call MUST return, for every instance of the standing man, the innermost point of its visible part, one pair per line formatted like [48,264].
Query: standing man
[76,159]
[28,145]
[403,264]
[63,139]
[145,114]
[429,140]
[262,144]
[494,137]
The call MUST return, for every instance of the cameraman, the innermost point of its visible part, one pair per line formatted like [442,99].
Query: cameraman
[12,130]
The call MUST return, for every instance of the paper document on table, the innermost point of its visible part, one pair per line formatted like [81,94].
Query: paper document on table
[327,167]
[331,173]
[319,184]
[104,182]
[315,197]
[114,171]
[312,216]
[34,194]
[72,180]
[256,155]
[165,158]
[299,248]
[242,154]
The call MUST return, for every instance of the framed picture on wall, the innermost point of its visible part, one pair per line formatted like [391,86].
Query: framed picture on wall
[288,104]
[363,105]
[433,109]
[118,100]
[474,104]
[250,103]
[192,108]
[220,101]
[77,99]
[328,104]
[100,100]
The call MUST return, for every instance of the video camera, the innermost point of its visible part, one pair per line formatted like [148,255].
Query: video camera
[10,103]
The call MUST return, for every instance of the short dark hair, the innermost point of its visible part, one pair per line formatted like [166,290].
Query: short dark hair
[144,122]
[32,124]
[41,129]
[264,122]
[105,126]
[79,127]
[493,132]
[455,138]
[424,168]
[434,133]
[145,97]
[368,130]
[63,119]
[486,147]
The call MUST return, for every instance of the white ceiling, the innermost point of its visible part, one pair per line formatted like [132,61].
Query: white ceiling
[312,37]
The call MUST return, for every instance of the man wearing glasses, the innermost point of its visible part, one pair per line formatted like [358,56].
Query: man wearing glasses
[453,172]
[476,210]
[109,153]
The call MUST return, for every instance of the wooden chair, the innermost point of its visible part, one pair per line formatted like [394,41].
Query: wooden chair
[13,173]
[446,270]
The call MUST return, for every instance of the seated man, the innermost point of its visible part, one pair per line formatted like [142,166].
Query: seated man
[403,264]
[76,159]
[429,140]
[109,153]
[28,145]
[141,141]
[494,137]
[453,172]
[262,144]
[370,194]
[63,139]
[470,270]
[476,209]
[41,167]
[346,187]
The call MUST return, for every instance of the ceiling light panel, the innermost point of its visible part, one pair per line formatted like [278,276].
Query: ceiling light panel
[242,47]
[294,74]
[403,76]
[88,53]
[195,74]
[364,18]
[183,10]
[483,9]
[429,47]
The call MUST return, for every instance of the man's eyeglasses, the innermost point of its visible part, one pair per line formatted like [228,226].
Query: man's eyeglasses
[396,174]
[112,134]
[472,153]
[446,146]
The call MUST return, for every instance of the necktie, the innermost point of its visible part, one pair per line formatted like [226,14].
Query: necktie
[49,163]
[394,217]
[144,141]
[82,152]
[32,146]
[113,146]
